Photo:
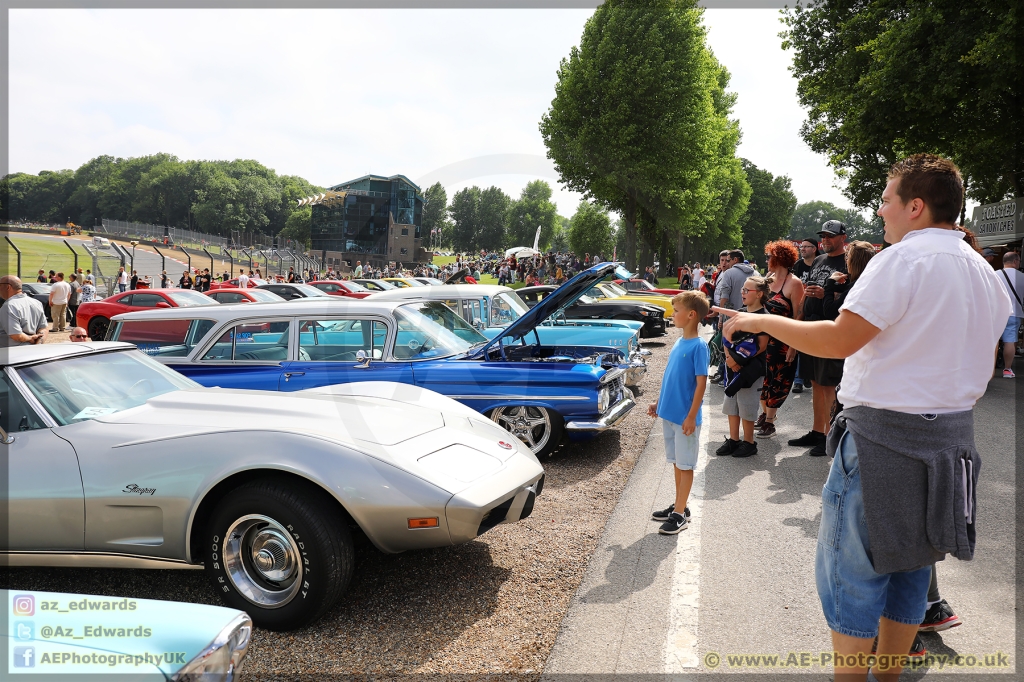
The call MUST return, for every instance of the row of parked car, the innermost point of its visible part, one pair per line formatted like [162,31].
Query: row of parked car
[254,440]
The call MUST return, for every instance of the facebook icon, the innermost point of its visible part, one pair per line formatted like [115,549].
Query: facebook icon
[24,657]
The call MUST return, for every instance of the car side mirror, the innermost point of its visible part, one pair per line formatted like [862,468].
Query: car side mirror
[362,359]
[163,305]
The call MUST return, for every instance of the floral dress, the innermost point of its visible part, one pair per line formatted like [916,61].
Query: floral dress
[779,374]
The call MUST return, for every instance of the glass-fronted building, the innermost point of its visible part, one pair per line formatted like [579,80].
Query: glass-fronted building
[373,219]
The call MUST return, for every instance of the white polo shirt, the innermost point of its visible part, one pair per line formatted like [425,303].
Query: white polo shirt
[941,311]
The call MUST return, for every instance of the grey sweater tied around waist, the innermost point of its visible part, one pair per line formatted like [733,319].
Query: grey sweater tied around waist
[919,474]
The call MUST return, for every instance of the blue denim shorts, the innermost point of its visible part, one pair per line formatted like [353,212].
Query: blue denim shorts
[1010,332]
[680,450]
[853,597]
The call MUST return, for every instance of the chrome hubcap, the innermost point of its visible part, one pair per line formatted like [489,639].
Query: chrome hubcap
[262,561]
[532,425]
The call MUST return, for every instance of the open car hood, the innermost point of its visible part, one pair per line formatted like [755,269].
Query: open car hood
[559,299]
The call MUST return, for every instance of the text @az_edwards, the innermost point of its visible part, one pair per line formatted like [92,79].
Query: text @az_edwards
[825,659]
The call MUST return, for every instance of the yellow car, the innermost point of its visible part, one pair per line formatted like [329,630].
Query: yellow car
[403,282]
[611,291]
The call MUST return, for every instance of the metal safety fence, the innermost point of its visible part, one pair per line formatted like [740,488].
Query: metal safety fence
[157,233]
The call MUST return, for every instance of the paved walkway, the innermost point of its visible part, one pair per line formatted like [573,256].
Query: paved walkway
[740,579]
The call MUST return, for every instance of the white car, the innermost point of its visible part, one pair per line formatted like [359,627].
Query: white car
[115,460]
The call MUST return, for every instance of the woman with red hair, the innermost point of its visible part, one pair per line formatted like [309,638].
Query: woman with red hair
[786,297]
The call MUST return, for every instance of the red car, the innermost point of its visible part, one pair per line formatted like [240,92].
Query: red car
[233,283]
[228,296]
[642,286]
[95,315]
[341,288]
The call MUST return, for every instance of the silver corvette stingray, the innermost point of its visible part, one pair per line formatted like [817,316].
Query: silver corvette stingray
[117,461]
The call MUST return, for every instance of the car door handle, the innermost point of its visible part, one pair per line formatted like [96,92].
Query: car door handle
[289,375]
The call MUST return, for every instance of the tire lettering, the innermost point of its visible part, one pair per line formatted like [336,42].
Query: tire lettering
[302,545]
[226,588]
[220,579]
[216,565]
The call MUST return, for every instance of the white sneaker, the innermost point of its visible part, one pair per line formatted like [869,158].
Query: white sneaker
[1008,374]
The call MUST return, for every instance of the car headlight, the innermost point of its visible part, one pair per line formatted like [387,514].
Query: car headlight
[651,312]
[603,399]
[221,661]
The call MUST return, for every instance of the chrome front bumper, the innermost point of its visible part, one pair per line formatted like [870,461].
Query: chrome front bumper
[637,367]
[609,419]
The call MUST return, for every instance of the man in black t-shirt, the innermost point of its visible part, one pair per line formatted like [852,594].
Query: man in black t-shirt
[824,373]
[808,252]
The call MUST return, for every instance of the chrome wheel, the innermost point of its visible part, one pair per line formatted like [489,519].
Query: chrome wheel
[262,561]
[532,425]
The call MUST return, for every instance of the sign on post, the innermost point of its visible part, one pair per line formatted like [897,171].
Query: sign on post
[999,223]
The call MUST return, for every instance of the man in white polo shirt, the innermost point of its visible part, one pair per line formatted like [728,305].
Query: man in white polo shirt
[901,491]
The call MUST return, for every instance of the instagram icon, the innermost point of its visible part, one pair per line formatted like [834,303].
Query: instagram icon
[24,605]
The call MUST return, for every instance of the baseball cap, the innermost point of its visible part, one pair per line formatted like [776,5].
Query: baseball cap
[810,240]
[832,228]
[988,252]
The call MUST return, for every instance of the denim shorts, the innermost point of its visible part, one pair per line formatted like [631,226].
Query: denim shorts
[1010,333]
[852,595]
[680,450]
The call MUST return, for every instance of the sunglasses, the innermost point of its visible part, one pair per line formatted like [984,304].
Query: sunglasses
[79,336]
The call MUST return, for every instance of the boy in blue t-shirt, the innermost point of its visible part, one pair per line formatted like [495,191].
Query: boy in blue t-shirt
[682,392]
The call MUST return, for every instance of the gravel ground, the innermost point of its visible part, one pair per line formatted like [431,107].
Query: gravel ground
[489,608]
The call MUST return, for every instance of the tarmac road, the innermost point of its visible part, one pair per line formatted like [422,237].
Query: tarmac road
[740,580]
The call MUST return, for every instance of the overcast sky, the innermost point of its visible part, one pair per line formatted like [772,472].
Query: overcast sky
[331,95]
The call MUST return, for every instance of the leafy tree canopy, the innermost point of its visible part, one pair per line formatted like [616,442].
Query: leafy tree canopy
[216,197]
[808,218]
[769,212]
[882,80]
[634,123]
[533,208]
[590,230]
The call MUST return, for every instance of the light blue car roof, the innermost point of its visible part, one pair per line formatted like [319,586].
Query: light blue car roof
[72,633]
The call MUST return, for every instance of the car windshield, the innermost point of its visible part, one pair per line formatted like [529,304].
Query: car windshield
[89,386]
[377,285]
[309,291]
[616,288]
[263,296]
[506,308]
[430,329]
[36,288]
[355,287]
[187,299]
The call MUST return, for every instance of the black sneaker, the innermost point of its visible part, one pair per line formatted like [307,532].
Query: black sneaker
[917,648]
[798,388]
[761,419]
[728,447]
[745,450]
[939,617]
[665,513]
[808,439]
[715,378]
[676,522]
[767,430]
[818,450]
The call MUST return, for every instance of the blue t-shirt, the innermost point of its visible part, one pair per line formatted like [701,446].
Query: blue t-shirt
[688,360]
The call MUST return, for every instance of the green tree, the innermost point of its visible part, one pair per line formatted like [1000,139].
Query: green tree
[770,212]
[435,212]
[465,223]
[491,215]
[808,218]
[590,230]
[560,238]
[298,226]
[533,208]
[633,124]
[882,80]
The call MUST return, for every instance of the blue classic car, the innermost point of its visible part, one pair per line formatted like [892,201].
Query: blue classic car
[491,309]
[538,392]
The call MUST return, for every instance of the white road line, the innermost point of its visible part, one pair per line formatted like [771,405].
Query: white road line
[681,640]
